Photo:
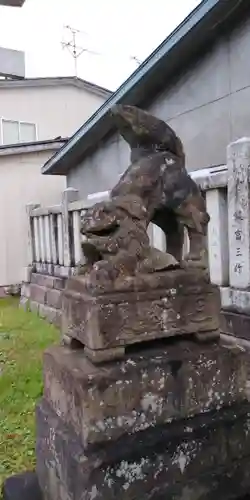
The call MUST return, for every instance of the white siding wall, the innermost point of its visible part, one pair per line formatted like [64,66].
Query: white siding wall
[57,110]
[21,183]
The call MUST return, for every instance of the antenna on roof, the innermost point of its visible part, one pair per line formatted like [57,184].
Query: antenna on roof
[135,58]
[75,50]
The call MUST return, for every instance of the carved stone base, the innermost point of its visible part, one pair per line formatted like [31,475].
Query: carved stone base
[107,319]
[171,422]
[205,457]
[235,323]
[106,402]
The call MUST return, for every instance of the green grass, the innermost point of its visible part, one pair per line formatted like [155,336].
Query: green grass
[23,338]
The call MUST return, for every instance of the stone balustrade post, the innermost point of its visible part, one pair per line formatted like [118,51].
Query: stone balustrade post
[69,195]
[30,249]
[238,160]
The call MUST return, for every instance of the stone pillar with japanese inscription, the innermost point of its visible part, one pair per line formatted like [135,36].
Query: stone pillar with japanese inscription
[235,299]
[239,212]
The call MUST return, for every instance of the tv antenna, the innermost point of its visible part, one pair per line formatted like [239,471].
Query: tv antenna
[75,50]
[135,58]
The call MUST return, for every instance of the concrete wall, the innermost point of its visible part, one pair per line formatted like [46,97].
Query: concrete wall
[57,110]
[21,183]
[208,106]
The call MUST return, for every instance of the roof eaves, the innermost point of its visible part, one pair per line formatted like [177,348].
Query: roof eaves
[17,149]
[53,81]
[60,140]
[92,87]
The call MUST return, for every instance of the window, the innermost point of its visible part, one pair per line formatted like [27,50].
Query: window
[27,132]
[10,132]
[14,132]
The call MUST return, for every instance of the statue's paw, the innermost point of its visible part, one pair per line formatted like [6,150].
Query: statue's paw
[100,273]
[103,266]
[84,268]
[183,264]
[157,260]
[90,252]
[194,261]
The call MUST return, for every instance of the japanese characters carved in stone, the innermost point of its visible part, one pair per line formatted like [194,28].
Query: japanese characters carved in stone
[155,188]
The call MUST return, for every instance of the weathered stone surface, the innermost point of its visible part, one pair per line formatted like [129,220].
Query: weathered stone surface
[235,300]
[34,306]
[162,462]
[54,298]
[27,273]
[47,281]
[22,487]
[42,280]
[25,290]
[51,314]
[222,484]
[41,267]
[63,272]
[24,303]
[237,324]
[38,293]
[59,283]
[144,308]
[172,382]
[238,154]
[44,296]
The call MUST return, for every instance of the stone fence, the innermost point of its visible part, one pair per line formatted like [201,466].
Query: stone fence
[54,249]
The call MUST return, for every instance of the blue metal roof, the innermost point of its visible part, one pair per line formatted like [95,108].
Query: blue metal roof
[195,33]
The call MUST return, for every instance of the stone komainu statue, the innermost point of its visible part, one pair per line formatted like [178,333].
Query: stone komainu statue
[155,188]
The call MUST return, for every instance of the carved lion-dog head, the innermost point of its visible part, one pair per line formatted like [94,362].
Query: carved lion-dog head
[102,222]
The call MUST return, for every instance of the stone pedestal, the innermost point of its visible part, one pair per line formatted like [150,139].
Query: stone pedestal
[169,422]
[108,318]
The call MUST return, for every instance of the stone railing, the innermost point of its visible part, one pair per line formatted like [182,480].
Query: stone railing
[54,235]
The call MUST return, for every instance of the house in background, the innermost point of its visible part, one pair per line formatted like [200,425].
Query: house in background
[44,108]
[198,80]
[36,118]
[21,183]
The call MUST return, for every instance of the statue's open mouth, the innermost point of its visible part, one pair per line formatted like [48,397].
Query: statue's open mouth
[107,231]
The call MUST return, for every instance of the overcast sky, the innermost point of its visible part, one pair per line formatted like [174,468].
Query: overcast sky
[115,30]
